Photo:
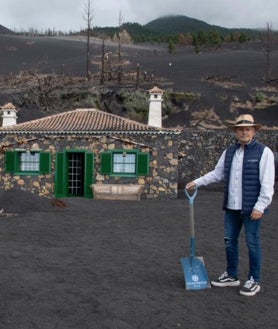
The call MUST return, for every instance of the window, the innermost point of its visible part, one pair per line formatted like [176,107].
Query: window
[129,163]
[29,161]
[22,162]
[124,163]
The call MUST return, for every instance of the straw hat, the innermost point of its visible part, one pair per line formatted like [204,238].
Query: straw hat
[246,120]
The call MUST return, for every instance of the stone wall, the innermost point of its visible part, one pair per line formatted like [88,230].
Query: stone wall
[163,150]
[163,177]
[174,160]
[199,150]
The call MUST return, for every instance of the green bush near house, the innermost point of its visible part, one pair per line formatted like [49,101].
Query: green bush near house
[174,102]
[136,104]
[259,97]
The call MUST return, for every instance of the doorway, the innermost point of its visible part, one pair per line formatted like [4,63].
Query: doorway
[74,174]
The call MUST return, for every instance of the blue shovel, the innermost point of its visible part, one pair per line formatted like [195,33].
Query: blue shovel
[195,273]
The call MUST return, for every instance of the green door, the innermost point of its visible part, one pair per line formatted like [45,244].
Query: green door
[74,174]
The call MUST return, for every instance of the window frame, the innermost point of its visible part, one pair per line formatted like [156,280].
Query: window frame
[25,160]
[13,162]
[141,163]
[123,164]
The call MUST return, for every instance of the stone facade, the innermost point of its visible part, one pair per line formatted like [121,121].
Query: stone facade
[163,151]
[199,150]
[174,159]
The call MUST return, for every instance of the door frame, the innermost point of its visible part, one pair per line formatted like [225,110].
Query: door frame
[61,173]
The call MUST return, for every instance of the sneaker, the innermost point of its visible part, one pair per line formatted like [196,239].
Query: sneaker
[225,281]
[250,288]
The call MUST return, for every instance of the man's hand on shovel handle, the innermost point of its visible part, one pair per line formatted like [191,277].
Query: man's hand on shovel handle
[190,186]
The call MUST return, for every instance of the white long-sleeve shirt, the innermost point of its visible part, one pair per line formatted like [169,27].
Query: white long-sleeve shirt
[267,177]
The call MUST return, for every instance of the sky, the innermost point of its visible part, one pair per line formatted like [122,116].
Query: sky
[68,15]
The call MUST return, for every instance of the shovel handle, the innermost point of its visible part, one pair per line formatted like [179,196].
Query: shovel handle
[191,197]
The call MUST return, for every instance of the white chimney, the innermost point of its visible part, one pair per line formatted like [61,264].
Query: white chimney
[155,107]
[8,115]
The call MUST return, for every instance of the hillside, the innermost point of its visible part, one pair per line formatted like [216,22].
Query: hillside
[163,28]
[176,24]
[182,24]
[4,30]
[205,90]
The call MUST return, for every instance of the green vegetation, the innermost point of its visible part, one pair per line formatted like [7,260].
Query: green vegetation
[179,30]
[137,105]
[171,47]
[174,30]
[259,97]
[175,101]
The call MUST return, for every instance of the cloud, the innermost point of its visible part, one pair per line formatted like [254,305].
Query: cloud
[68,15]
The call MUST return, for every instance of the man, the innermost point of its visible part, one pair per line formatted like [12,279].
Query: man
[247,169]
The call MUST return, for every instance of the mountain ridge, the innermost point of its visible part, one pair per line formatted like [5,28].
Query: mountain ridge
[167,24]
[184,24]
[171,26]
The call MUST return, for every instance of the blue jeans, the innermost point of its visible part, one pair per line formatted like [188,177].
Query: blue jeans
[233,222]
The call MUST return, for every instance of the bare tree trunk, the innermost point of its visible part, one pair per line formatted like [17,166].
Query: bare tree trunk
[120,63]
[102,63]
[120,50]
[88,73]
[137,76]
[88,17]
[268,51]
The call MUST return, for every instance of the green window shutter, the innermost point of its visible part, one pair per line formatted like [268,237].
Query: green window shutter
[11,162]
[143,164]
[60,180]
[89,171]
[45,162]
[106,163]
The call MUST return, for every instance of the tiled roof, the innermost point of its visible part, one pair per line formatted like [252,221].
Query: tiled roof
[156,90]
[80,121]
[9,106]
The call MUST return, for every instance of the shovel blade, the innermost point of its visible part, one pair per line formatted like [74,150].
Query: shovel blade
[195,273]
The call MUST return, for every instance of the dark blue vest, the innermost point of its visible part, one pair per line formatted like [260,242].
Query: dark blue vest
[250,174]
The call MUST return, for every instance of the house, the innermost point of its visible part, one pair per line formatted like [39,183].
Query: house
[63,155]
